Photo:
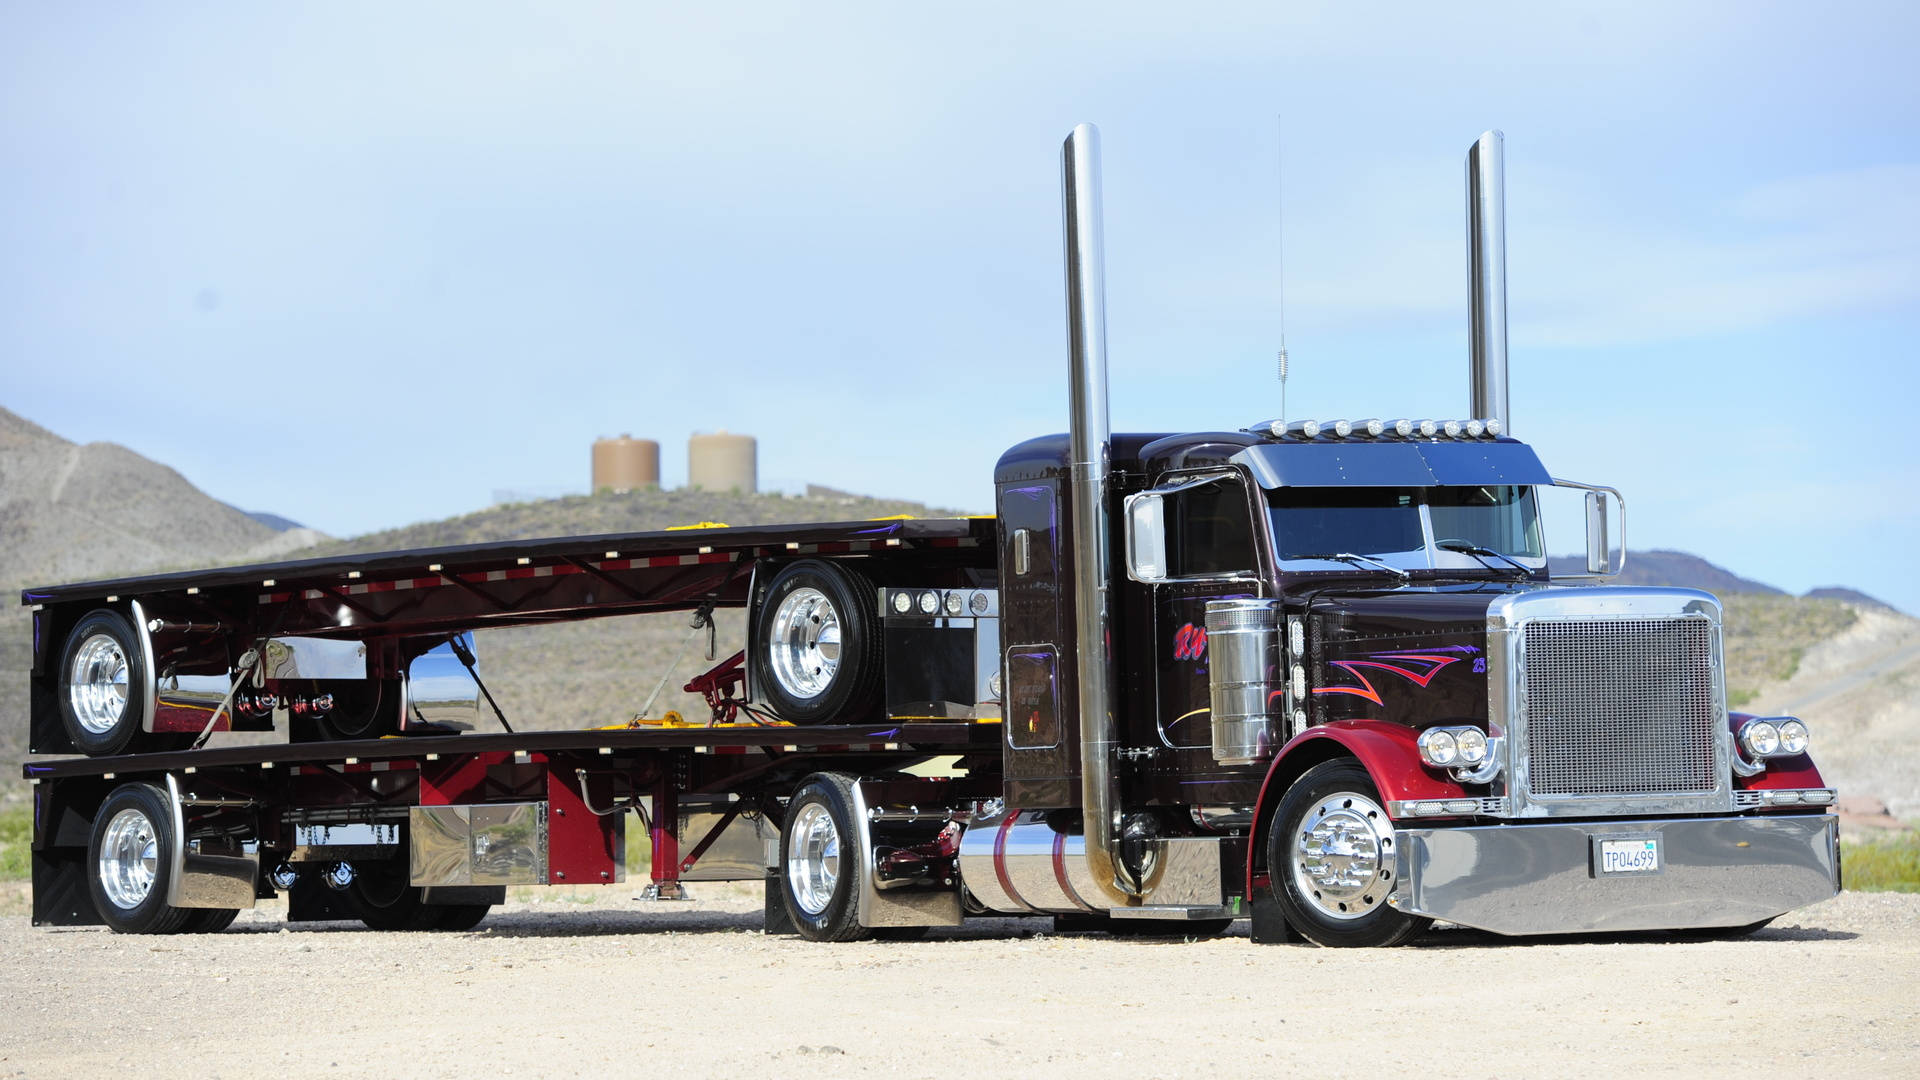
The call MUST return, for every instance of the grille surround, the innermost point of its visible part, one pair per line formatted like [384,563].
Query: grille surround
[1613,700]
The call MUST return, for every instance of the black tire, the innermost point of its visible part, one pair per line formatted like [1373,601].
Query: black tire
[363,709]
[1338,799]
[381,898]
[130,862]
[794,671]
[209,920]
[820,862]
[113,676]
[457,917]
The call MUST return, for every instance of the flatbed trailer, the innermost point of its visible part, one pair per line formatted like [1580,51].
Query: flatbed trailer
[554,806]
[1315,675]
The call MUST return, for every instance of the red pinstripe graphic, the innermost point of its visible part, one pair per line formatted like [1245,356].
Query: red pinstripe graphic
[1366,689]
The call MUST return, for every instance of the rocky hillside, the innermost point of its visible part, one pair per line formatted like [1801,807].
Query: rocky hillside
[71,512]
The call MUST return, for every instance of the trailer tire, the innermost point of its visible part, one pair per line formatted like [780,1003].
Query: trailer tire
[209,920]
[457,917]
[364,709]
[382,899]
[1337,897]
[817,644]
[104,684]
[820,861]
[130,861]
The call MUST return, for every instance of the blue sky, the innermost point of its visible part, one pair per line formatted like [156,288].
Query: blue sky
[362,266]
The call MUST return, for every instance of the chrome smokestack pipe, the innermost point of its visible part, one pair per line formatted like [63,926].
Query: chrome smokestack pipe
[1487,276]
[1087,460]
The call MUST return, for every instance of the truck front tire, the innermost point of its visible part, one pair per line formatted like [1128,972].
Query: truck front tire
[1330,853]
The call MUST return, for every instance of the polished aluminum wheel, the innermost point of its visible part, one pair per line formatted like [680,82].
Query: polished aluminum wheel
[805,643]
[813,858]
[129,859]
[1343,856]
[97,683]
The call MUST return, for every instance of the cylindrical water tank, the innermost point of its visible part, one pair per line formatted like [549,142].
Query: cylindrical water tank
[625,464]
[722,462]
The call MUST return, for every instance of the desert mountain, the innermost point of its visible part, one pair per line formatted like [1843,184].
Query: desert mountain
[71,512]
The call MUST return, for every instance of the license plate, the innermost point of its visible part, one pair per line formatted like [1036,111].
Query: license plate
[1629,857]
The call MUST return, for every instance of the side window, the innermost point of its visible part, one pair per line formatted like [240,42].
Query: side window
[1209,530]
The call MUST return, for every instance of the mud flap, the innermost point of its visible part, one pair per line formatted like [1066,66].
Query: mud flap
[60,896]
[777,921]
[1270,927]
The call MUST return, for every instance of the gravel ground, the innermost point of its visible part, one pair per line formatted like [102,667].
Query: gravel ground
[569,988]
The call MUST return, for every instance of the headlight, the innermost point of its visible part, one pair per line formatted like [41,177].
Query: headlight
[1793,737]
[902,602]
[1438,747]
[956,603]
[1472,743]
[929,602]
[1760,738]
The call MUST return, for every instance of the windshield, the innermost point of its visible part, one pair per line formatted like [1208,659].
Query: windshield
[1407,528]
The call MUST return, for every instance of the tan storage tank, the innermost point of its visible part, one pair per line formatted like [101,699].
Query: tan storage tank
[625,464]
[723,462]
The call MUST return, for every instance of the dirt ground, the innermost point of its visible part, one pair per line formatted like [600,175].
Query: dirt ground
[570,989]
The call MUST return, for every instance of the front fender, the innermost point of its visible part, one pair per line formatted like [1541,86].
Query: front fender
[1389,752]
[1797,771]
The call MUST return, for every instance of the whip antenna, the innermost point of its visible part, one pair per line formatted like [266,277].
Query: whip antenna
[1280,210]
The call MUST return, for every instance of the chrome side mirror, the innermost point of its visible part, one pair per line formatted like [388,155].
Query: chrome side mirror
[1600,544]
[1147,537]
[1599,554]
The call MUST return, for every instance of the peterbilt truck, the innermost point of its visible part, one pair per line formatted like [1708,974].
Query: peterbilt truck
[1318,675]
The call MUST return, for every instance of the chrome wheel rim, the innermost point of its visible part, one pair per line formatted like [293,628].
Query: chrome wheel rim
[813,858]
[1343,856]
[805,643]
[129,859]
[97,684]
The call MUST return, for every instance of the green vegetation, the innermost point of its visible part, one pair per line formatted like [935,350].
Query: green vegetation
[1889,863]
[16,838]
[1767,634]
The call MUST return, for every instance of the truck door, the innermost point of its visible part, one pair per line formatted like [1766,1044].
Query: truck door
[1210,555]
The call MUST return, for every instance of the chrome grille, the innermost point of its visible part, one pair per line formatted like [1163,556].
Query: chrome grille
[1621,707]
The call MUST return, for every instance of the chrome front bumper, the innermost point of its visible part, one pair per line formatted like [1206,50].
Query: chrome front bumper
[1541,879]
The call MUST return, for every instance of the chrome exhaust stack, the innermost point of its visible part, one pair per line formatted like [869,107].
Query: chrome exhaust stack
[1088,452]
[1487,278]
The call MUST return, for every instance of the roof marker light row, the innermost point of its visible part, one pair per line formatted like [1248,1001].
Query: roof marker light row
[1381,429]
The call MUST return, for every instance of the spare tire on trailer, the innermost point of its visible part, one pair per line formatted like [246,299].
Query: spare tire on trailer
[816,655]
[104,684]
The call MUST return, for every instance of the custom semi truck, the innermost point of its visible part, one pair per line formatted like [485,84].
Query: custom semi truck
[1316,675]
